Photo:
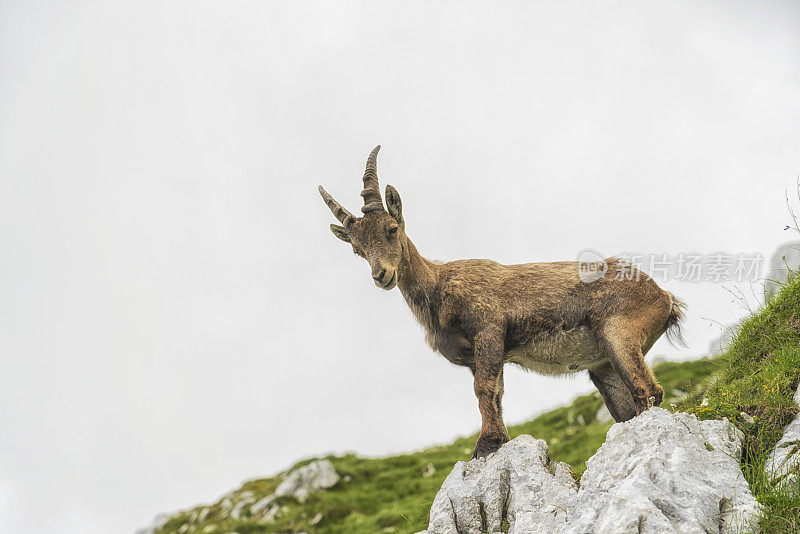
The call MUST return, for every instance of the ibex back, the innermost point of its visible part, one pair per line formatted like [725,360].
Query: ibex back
[543,316]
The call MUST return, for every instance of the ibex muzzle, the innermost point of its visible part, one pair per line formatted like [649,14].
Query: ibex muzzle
[481,315]
[384,279]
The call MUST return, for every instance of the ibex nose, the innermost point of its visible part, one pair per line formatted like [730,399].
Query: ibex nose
[378,277]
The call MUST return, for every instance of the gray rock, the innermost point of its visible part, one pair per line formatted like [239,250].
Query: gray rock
[300,483]
[603,415]
[665,473]
[429,470]
[720,344]
[317,475]
[238,508]
[784,460]
[656,474]
[264,508]
[784,262]
[678,394]
[519,476]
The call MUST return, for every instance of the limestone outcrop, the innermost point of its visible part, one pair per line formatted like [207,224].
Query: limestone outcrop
[658,473]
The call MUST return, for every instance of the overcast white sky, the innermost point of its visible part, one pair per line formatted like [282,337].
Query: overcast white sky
[175,316]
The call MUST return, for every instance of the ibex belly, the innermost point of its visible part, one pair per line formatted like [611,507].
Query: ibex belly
[558,352]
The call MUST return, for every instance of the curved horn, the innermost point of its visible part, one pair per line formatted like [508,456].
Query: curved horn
[344,216]
[371,193]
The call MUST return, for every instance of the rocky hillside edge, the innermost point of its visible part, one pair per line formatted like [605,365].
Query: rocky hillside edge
[752,385]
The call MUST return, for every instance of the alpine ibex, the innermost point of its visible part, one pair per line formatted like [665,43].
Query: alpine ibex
[543,316]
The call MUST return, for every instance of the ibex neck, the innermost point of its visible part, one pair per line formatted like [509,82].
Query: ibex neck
[417,275]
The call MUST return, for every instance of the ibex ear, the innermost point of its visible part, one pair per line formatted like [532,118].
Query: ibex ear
[340,232]
[394,205]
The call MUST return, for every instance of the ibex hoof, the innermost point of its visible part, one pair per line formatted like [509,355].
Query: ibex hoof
[487,446]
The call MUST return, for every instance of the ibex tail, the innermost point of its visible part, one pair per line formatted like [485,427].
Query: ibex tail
[673,326]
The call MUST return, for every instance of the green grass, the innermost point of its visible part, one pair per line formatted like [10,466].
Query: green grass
[756,376]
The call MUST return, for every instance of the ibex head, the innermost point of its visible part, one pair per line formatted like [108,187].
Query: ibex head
[378,235]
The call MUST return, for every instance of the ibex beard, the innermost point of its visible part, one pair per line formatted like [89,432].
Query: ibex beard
[481,314]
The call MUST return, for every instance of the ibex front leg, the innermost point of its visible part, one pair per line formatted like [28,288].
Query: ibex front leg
[489,390]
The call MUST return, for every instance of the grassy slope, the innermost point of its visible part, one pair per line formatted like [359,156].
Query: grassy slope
[756,376]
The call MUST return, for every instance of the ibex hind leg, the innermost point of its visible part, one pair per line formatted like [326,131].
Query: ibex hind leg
[615,393]
[488,382]
[622,340]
